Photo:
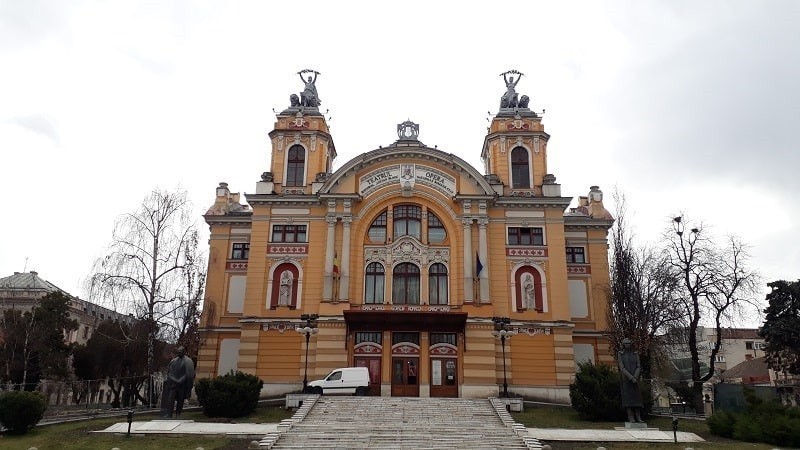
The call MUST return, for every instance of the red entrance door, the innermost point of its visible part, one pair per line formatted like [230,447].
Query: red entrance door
[444,377]
[374,366]
[405,377]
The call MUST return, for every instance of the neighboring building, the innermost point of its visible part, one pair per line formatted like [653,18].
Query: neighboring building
[407,253]
[23,291]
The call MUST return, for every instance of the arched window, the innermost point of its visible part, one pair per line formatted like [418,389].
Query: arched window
[436,231]
[520,169]
[405,284]
[407,221]
[373,283]
[437,284]
[377,231]
[529,290]
[296,166]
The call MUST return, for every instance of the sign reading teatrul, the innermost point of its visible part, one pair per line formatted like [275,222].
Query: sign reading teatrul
[407,175]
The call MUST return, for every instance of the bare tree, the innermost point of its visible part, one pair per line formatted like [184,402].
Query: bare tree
[642,301]
[144,268]
[716,286]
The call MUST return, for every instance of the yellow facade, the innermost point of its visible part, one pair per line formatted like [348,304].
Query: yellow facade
[406,254]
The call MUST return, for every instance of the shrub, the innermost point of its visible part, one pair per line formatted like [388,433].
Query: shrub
[20,411]
[761,421]
[231,395]
[721,423]
[595,394]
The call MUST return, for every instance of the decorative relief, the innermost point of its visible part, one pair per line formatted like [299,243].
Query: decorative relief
[367,348]
[526,251]
[236,266]
[279,326]
[298,122]
[533,331]
[293,191]
[283,249]
[405,349]
[579,269]
[526,193]
[313,146]
[407,249]
[517,125]
[443,350]
[279,143]
[536,144]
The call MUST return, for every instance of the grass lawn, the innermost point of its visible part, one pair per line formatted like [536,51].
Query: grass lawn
[77,436]
[566,417]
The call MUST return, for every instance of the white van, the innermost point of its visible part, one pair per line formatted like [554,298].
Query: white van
[344,381]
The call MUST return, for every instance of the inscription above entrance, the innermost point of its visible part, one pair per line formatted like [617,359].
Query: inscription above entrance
[407,174]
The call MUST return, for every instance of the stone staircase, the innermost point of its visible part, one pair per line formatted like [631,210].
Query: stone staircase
[399,423]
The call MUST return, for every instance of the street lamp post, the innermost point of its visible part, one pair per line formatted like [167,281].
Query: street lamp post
[307,331]
[501,331]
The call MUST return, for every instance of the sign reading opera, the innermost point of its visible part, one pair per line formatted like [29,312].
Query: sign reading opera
[403,260]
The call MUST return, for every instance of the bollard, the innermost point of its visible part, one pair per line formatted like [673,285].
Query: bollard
[130,421]
[675,429]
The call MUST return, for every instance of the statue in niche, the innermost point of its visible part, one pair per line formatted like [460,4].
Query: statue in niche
[510,98]
[285,291]
[630,370]
[528,292]
[309,97]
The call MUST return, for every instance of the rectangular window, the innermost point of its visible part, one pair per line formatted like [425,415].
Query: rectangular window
[719,359]
[525,236]
[748,345]
[576,255]
[369,336]
[289,233]
[443,338]
[241,250]
[405,337]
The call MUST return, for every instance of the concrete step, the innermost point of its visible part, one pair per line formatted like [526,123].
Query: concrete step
[400,423]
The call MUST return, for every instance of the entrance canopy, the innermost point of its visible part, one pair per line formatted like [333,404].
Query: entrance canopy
[438,322]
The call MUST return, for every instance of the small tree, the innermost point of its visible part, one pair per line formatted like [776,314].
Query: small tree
[642,294]
[144,269]
[34,343]
[781,329]
[716,285]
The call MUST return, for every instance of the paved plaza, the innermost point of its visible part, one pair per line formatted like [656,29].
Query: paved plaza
[392,423]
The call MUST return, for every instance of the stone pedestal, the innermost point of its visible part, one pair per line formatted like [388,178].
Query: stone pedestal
[635,425]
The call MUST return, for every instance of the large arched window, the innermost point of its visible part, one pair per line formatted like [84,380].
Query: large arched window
[520,169]
[437,284]
[373,283]
[377,230]
[405,284]
[296,166]
[407,221]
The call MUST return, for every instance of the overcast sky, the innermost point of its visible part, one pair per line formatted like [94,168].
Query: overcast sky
[685,106]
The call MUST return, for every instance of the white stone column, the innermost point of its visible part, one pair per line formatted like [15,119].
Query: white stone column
[468,294]
[344,262]
[483,253]
[327,287]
